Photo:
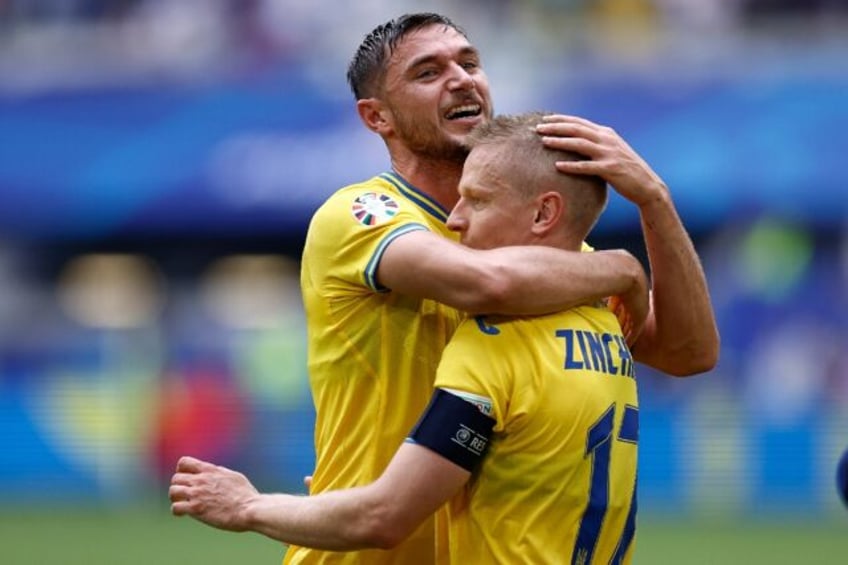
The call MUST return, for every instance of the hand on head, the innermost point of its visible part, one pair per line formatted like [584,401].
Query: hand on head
[608,156]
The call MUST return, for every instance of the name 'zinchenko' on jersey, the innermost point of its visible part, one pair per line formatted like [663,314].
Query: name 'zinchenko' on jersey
[600,352]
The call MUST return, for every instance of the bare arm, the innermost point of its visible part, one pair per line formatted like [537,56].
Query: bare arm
[680,336]
[508,280]
[381,515]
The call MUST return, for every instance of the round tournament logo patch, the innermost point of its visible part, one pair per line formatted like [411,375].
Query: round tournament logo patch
[372,208]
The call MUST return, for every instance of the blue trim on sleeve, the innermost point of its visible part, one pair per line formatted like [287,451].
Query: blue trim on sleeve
[371,268]
[455,429]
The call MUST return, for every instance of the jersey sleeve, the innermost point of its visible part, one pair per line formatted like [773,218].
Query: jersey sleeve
[466,370]
[350,232]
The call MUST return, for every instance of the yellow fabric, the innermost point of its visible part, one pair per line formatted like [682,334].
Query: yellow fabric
[548,385]
[372,353]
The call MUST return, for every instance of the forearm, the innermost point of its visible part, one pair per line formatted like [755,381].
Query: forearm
[379,515]
[540,280]
[681,337]
[523,280]
[334,521]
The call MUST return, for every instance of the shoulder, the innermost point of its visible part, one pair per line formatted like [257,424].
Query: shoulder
[344,198]
[366,204]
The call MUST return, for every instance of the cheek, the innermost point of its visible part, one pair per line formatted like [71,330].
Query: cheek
[487,231]
[506,230]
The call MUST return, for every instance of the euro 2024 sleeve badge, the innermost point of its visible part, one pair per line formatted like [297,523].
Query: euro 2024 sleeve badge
[372,208]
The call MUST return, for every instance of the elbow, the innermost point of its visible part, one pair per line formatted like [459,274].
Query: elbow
[690,368]
[695,360]
[388,538]
[707,355]
[709,360]
[692,355]
[491,292]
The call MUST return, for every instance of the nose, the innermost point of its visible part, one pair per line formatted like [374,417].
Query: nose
[461,79]
[456,220]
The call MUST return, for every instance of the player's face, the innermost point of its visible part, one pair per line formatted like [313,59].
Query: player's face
[489,213]
[436,91]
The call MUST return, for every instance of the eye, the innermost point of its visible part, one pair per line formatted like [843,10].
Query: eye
[426,73]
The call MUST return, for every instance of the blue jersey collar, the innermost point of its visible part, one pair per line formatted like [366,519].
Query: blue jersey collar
[417,196]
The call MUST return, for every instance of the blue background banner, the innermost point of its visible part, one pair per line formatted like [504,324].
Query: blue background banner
[256,155]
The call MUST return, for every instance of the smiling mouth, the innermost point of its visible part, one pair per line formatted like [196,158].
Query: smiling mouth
[464,111]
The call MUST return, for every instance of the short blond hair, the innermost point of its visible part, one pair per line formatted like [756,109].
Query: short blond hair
[530,167]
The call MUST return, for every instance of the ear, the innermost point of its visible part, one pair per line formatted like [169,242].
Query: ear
[549,208]
[374,115]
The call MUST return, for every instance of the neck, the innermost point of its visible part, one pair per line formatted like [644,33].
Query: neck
[439,178]
[573,242]
[562,239]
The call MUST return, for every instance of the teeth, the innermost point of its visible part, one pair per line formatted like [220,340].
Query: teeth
[468,108]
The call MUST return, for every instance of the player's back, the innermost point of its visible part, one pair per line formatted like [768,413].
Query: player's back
[372,353]
[558,482]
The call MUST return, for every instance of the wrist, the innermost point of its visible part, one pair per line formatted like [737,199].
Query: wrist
[249,515]
[659,200]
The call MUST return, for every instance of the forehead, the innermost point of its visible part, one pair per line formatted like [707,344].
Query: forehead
[484,168]
[427,43]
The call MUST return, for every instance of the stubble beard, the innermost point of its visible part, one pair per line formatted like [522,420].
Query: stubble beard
[430,143]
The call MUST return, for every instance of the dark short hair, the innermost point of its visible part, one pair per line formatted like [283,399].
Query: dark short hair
[369,62]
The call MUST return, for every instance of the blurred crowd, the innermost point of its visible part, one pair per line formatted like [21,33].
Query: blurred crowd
[670,11]
[98,40]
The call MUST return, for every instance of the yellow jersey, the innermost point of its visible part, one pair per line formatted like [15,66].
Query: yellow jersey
[559,480]
[372,353]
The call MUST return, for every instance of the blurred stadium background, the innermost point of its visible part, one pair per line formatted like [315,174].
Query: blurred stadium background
[160,159]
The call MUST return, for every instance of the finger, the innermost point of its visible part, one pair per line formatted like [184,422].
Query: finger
[596,168]
[188,464]
[574,144]
[623,316]
[183,479]
[613,302]
[182,508]
[307,481]
[568,130]
[631,337]
[178,493]
[184,463]
[567,118]
[626,326]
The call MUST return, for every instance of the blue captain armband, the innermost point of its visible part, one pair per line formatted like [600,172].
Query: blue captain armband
[454,428]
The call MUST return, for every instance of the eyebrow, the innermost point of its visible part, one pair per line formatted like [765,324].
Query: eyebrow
[429,58]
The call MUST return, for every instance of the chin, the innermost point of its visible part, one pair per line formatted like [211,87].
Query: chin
[466,125]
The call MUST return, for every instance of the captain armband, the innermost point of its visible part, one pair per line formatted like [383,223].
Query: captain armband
[454,428]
